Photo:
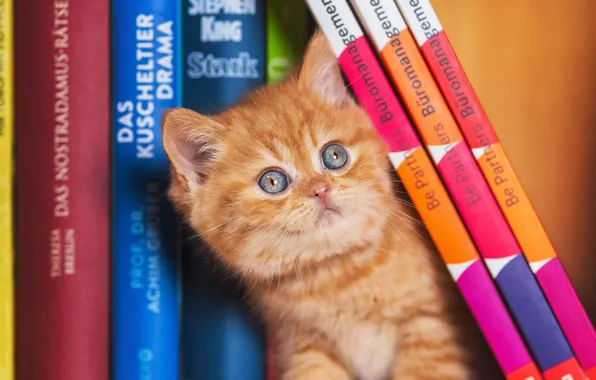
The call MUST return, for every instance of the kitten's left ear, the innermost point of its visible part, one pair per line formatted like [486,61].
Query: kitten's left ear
[321,73]
[191,142]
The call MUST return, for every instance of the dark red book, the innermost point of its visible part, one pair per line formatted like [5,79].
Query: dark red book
[62,195]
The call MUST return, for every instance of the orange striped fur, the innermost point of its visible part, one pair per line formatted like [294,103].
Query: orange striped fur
[357,293]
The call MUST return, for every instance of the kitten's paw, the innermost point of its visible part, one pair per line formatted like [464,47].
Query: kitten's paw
[314,364]
[321,374]
[446,373]
[429,350]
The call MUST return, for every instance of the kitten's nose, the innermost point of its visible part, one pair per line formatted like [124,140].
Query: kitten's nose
[320,190]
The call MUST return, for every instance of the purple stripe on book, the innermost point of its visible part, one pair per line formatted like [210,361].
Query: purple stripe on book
[533,314]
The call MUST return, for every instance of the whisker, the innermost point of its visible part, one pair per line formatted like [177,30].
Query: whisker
[412,228]
[405,238]
[399,200]
[419,222]
[202,234]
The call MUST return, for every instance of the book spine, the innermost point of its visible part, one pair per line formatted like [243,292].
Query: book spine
[287,35]
[464,180]
[224,50]
[415,169]
[504,183]
[7,322]
[62,201]
[145,250]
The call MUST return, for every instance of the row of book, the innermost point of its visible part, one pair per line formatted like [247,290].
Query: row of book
[404,71]
[98,279]
[100,290]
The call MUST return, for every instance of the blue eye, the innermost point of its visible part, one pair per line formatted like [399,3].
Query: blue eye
[334,156]
[273,181]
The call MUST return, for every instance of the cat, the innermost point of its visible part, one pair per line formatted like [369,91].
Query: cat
[292,190]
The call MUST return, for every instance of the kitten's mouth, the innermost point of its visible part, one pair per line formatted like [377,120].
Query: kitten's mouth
[327,215]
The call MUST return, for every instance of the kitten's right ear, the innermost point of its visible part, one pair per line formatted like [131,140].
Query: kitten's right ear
[191,143]
[321,72]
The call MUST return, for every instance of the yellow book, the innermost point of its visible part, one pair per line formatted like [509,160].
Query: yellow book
[6,193]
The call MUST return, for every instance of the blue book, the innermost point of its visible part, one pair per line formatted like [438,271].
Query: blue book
[145,82]
[224,53]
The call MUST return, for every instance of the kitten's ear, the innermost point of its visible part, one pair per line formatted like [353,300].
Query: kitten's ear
[321,73]
[191,143]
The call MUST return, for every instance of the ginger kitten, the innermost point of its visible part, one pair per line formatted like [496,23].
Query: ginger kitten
[291,190]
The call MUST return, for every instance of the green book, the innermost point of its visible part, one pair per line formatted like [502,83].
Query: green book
[288,30]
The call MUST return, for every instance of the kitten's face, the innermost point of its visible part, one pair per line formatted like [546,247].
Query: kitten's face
[286,179]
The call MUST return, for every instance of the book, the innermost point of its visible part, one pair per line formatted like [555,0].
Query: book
[7,253]
[468,188]
[287,35]
[414,167]
[502,178]
[145,246]
[224,50]
[62,136]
